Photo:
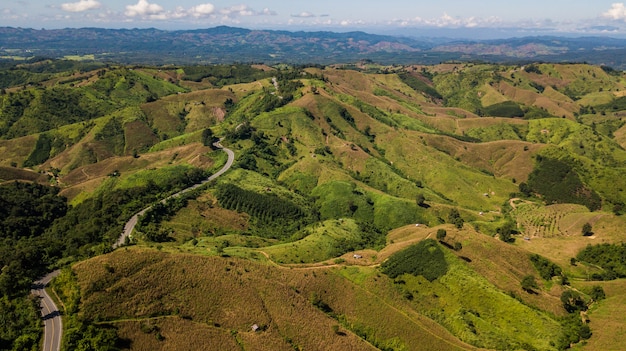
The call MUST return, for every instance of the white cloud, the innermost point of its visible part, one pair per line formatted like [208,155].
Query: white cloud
[244,11]
[80,6]
[617,12]
[237,10]
[304,15]
[152,11]
[145,9]
[203,10]
[447,21]
[268,12]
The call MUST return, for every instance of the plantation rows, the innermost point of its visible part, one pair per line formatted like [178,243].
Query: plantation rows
[266,207]
[543,222]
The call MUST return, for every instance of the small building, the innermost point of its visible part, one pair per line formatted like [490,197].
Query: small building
[255,327]
[357,256]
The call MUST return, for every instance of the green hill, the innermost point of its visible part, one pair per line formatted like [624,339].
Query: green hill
[341,173]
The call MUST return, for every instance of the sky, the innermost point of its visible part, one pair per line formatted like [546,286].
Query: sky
[574,17]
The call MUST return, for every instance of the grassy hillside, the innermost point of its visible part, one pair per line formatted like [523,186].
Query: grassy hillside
[205,296]
[337,170]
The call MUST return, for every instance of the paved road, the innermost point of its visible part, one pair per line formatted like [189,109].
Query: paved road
[132,222]
[53,326]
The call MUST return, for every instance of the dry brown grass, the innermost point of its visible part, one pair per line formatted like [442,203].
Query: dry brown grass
[556,108]
[16,150]
[560,248]
[177,334]
[13,173]
[137,136]
[204,215]
[507,158]
[214,301]
[89,177]
[620,136]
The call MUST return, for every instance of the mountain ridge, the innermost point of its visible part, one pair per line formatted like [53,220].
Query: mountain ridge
[225,44]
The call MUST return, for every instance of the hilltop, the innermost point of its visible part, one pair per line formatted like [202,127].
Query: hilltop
[370,206]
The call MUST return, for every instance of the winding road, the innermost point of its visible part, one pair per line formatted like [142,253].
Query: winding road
[53,326]
[132,222]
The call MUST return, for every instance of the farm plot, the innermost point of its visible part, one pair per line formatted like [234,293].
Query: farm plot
[535,220]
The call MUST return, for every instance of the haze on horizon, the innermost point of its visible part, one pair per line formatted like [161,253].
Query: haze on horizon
[471,19]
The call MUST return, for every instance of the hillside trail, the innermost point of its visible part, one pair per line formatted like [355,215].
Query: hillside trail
[512,202]
[299,267]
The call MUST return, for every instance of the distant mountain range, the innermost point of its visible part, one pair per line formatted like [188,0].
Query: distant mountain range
[228,44]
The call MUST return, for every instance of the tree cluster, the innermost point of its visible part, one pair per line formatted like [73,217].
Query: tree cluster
[424,258]
[546,268]
[277,217]
[611,257]
[557,182]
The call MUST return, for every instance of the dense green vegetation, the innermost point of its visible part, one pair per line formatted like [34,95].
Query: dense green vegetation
[324,167]
[611,257]
[545,267]
[504,109]
[38,228]
[424,258]
[220,75]
[418,83]
[26,211]
[37,110]
[274,217]
[558,182]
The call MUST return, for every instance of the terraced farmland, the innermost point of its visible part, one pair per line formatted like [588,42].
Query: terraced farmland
[534,220]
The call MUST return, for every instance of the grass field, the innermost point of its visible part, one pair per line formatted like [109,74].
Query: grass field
[608,331]
[202,294]
[375,166]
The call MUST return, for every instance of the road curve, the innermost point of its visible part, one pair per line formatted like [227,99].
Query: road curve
[53,326]
[132,222]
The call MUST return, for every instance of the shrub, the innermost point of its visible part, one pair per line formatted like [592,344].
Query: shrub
[546,268]
[572,301]
[441,234]
[529,284]
[504,109]
[597,293]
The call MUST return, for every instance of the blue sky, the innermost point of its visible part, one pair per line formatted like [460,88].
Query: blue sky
[583,17]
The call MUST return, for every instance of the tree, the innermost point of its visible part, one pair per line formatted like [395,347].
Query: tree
[572,301]
[529,284]
[618,208]
[506,231]
[207,137]
[525,189]
[455,218]
[419,200]
[597,293]
[441,234]
[587,229]
[458,246]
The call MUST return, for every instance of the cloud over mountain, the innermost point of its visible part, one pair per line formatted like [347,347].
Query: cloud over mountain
[81,5]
